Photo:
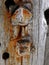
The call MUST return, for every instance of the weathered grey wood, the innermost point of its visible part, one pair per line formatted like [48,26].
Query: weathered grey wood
[46,59]
[39,6]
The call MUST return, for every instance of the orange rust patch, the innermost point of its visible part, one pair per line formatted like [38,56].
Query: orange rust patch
[18,59]
[26,13]
[14,16]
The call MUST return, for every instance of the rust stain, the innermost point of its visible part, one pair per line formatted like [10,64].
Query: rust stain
[13,16]
[6,22]
[13,41]
[27,14]
[18,59]
[21,60]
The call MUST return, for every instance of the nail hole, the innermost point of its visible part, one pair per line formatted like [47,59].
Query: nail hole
[5,55]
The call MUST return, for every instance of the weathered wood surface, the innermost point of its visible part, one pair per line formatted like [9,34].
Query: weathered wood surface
[38,18]
[13,59]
